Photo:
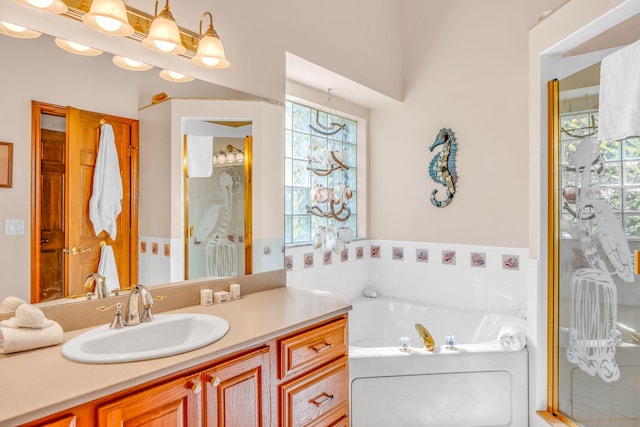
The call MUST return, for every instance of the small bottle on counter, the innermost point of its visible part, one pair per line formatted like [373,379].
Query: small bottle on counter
[221,296]
[206,297]
[234,289]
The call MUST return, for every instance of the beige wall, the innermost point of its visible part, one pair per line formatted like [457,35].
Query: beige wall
[465,68]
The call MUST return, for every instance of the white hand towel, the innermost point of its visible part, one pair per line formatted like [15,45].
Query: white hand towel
[28,316]
[10,304]
[512,335]
[619,103]
[199,156]
[13,340]
[106,199]
[108,269]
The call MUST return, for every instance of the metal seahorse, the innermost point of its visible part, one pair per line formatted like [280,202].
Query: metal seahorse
[443,166]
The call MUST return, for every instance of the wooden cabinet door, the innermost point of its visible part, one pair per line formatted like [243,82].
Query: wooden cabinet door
[67,421]
[237,392]
[173,404]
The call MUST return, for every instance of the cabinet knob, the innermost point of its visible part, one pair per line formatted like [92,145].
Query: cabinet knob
[196,388]
[215,381]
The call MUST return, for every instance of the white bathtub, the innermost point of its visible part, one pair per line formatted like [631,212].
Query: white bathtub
[478,384]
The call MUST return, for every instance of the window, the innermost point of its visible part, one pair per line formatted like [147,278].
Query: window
[620,182]
[301,139]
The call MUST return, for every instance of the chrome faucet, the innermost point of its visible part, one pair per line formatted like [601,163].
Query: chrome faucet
[96,284]
[132,315]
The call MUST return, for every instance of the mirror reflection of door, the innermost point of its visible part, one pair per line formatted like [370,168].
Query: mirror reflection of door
[65,249]
[218,212]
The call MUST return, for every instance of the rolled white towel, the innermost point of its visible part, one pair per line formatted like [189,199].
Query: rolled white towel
[28,316]
[10,304]
[13,340]
[512,335]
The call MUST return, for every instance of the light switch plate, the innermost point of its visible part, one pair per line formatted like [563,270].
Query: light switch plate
[14,227]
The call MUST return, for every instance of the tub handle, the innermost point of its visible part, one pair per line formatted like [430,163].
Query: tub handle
[321,348]
[322,399]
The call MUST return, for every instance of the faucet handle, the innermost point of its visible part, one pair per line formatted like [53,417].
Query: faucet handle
[117,322]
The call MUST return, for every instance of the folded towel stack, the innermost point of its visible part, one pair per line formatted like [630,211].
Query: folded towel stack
[27,330]
[512,335]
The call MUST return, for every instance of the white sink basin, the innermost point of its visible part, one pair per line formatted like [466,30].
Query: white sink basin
[166,335]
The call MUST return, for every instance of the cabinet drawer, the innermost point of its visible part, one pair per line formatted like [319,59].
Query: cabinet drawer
[320,398]
[313,348]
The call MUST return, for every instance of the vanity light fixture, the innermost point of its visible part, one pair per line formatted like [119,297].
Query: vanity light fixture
[52,6]
[13,30]
[130,64]
[77,48]
[108,16]
[172,76]
[210,52]
[164,35]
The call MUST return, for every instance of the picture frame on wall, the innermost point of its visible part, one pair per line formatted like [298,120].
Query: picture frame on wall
[6,164]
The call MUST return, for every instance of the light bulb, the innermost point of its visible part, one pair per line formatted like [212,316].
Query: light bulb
[108,24]
[210,62]
[40,3]
[164,46]
[77,46]
[132,62]
[13,27]
[176,76]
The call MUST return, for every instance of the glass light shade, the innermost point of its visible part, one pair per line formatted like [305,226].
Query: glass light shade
[52,6]
[239,157]
[13,30]
[164,35]
[130,64]
[172,76]
[108,16]
[231,157]
[210,52]
[77,48]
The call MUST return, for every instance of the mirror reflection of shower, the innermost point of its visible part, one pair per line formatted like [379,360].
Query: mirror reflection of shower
[216,230]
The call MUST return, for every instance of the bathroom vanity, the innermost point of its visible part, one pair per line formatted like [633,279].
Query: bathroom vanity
[283,362]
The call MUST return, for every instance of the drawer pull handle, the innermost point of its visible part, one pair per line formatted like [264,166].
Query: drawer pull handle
[321,348]
[322,399]
[215,382]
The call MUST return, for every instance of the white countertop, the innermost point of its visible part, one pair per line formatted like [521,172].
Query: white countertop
[40,382]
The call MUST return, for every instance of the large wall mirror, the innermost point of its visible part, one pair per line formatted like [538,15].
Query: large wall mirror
[248,192]
[594,224]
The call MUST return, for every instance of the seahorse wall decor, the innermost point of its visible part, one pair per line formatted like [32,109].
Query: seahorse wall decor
[443,166]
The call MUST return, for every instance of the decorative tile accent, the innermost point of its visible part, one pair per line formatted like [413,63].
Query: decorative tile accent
[422,255]
[449,257]
[266,250]
[397,254]
[167,249]
[143,247]
[288,263]
[510,262]
[478,259]
[359,252]
[326,258]
[154,248]
[344,255]
[308,260]
[375,251]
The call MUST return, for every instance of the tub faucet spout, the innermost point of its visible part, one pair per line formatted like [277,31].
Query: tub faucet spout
[427,339]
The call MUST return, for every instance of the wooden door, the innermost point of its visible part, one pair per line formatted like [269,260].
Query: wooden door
[83,135]
[236,392]
[52,224]
[65,211]
[173,404]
